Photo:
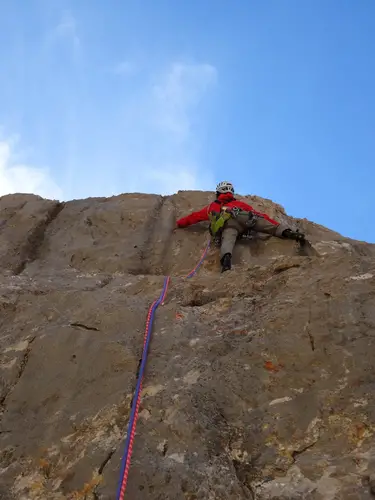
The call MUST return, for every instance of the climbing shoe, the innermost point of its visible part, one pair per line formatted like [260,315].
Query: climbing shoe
[226,262]
[294,235]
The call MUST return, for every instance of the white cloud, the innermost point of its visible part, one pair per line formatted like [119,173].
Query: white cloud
[16,177]
[147,143]
[172,179]
[163,153]
[101,133]
[179,92]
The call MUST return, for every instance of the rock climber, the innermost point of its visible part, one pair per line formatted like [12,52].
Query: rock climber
[231,218]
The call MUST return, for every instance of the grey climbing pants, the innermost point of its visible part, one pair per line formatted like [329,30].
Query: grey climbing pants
[234,227]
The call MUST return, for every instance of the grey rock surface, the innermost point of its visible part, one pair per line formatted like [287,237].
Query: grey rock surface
[259,383]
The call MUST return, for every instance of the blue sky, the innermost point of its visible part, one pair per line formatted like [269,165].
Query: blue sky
[100,98]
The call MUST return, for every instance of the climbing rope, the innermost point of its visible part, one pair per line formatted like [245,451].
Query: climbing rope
[203,256]
[125,463]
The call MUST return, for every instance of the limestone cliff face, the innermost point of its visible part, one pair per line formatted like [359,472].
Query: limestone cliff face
[259,384]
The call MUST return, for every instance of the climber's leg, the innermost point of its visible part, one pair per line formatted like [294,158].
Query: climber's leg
[264,226]
[228,240]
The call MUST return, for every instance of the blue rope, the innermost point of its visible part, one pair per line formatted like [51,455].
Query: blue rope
[138,386]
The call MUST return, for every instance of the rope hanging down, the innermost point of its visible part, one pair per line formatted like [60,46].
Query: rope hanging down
[125,463]
[203,256]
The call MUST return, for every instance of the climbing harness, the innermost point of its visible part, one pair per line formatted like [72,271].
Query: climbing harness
[126,458]
[218,220]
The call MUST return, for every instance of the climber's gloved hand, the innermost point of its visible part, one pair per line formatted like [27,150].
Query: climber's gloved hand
[294,235]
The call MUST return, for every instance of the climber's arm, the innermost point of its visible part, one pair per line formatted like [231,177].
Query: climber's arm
[193,218]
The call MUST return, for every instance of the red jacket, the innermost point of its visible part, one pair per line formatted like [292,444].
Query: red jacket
[228,200]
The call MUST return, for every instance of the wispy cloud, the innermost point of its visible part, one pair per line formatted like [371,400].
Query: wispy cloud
[16,177]
[165,153]
[181,89]
[147,144]
[104,129]
[64,35]
[67,28]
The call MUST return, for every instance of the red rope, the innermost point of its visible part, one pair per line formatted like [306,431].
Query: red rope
[146,340]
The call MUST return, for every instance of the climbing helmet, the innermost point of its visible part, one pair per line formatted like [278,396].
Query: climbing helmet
[225,187]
